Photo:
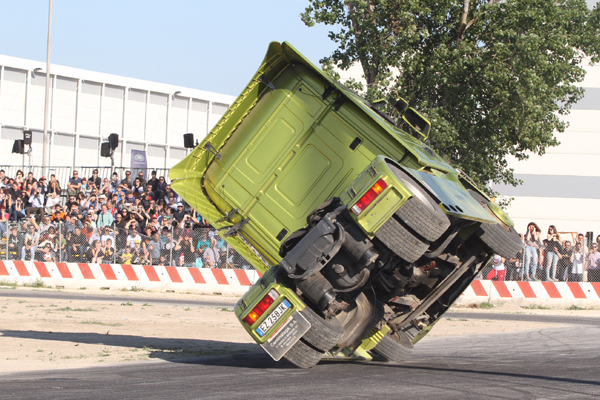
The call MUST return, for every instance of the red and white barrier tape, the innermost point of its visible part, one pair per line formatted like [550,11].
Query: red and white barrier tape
[78,275]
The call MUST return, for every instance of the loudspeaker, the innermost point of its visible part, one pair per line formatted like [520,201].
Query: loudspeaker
[27,137]
[18,147]
[113,139]
[105,149]
[188,140]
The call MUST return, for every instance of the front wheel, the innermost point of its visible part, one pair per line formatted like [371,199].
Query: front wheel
[395,347]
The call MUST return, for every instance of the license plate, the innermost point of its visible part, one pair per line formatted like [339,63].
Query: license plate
[286,336]
[272,318]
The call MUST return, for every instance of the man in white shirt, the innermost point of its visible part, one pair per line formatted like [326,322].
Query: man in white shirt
[498,269]
[36,205]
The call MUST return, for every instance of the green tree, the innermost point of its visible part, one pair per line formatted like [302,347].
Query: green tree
[494,77]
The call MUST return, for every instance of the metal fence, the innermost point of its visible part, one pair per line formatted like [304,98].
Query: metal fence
[82,241]
[63,174]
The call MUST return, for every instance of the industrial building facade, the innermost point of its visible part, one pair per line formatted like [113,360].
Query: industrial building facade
[87,106]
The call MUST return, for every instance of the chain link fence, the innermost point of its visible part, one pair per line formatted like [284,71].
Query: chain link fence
[82,241]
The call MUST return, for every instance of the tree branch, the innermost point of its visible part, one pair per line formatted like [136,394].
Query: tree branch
[463,21]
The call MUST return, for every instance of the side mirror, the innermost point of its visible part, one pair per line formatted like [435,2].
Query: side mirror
[418,122]
[401,105]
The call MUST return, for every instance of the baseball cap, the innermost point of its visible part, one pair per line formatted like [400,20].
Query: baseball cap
[497,259]
[179,205]
[43,178]
[154,216]
[138,241]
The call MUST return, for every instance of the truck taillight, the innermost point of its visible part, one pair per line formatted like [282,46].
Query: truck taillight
[368,197]
[261,307]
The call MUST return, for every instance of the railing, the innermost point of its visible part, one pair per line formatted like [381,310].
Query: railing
[63,174]
[80,242]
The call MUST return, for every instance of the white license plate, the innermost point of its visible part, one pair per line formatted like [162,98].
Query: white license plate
[273,317]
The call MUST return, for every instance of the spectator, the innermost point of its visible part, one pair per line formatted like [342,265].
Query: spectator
[17,212]
[72,222]
[74,185]
[52,200]
[95,254]
[553,250]
[48,255]
[114,182]
[161,189]
[169,246]
[45,224]
[141,178]
[105,218]
[42,186]
[15,243]
[127,256]
[212,255]
[95,179]
[4,218]
[3,176]
[532,245]
[155,248]
[138,188]
[132,238]
[50,237]
[592,264]
[127,180]
[77,245]
[36,205]
[180,213]
[85,188]
[19,178]
[565,264]
[109,252]
[31,240]
[152,184]
[139,255]
[55,182]
[185,247]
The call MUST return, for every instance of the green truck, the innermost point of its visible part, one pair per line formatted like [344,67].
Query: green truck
[364,235]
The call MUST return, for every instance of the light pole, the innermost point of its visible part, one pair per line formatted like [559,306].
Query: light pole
[47,105]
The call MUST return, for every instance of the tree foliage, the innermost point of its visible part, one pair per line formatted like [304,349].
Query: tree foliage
[494,77]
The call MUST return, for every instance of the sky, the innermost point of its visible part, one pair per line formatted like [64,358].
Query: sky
[208,45]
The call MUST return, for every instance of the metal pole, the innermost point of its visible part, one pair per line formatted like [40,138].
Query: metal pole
[60,250]
[46,105]
[171,249]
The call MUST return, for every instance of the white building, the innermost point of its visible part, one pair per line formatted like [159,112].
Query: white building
[562,187]
[87,106]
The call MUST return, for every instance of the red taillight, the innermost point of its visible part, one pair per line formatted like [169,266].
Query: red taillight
[368,197]
[261,307]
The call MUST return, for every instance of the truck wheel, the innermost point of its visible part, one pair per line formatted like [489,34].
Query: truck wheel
[323,334]
[394,347]
[499,237]
[399,240]
[421,213]
[302,355]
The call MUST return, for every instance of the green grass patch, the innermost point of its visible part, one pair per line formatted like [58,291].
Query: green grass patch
[536,307]
[96,322]
[127,304]
[8,283]
[574,307]
[74,309]
[37,283]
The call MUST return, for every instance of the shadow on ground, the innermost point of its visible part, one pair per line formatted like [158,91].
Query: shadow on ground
[170,349]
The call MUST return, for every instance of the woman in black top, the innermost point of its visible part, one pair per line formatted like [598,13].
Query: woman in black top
[553,250]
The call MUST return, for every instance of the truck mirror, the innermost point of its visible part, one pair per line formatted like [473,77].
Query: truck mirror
[418,122]
[401,105]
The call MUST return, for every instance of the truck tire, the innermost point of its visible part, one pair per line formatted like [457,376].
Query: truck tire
[395,347]
[323,334]
[499,237]
[302,355]
[420,212]
[399,240]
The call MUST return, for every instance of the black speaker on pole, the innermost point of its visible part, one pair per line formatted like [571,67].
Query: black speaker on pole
[19,147]
[105,149]
[188,140]
[27,137]
[113,139]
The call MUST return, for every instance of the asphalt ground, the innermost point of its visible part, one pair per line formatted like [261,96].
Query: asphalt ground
[549,363]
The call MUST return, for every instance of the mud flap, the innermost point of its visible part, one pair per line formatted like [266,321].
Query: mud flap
[290,332]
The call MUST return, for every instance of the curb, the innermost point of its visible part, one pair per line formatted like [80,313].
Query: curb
[561,294]
[117,276]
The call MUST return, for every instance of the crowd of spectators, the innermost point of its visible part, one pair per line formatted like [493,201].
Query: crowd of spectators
[128,220]
[134,220]
[553,258]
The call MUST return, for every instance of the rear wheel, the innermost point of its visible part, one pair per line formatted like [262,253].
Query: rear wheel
[323,334]
[399,240]
[499,237]
[395,347]
[421,212]
[303,355]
